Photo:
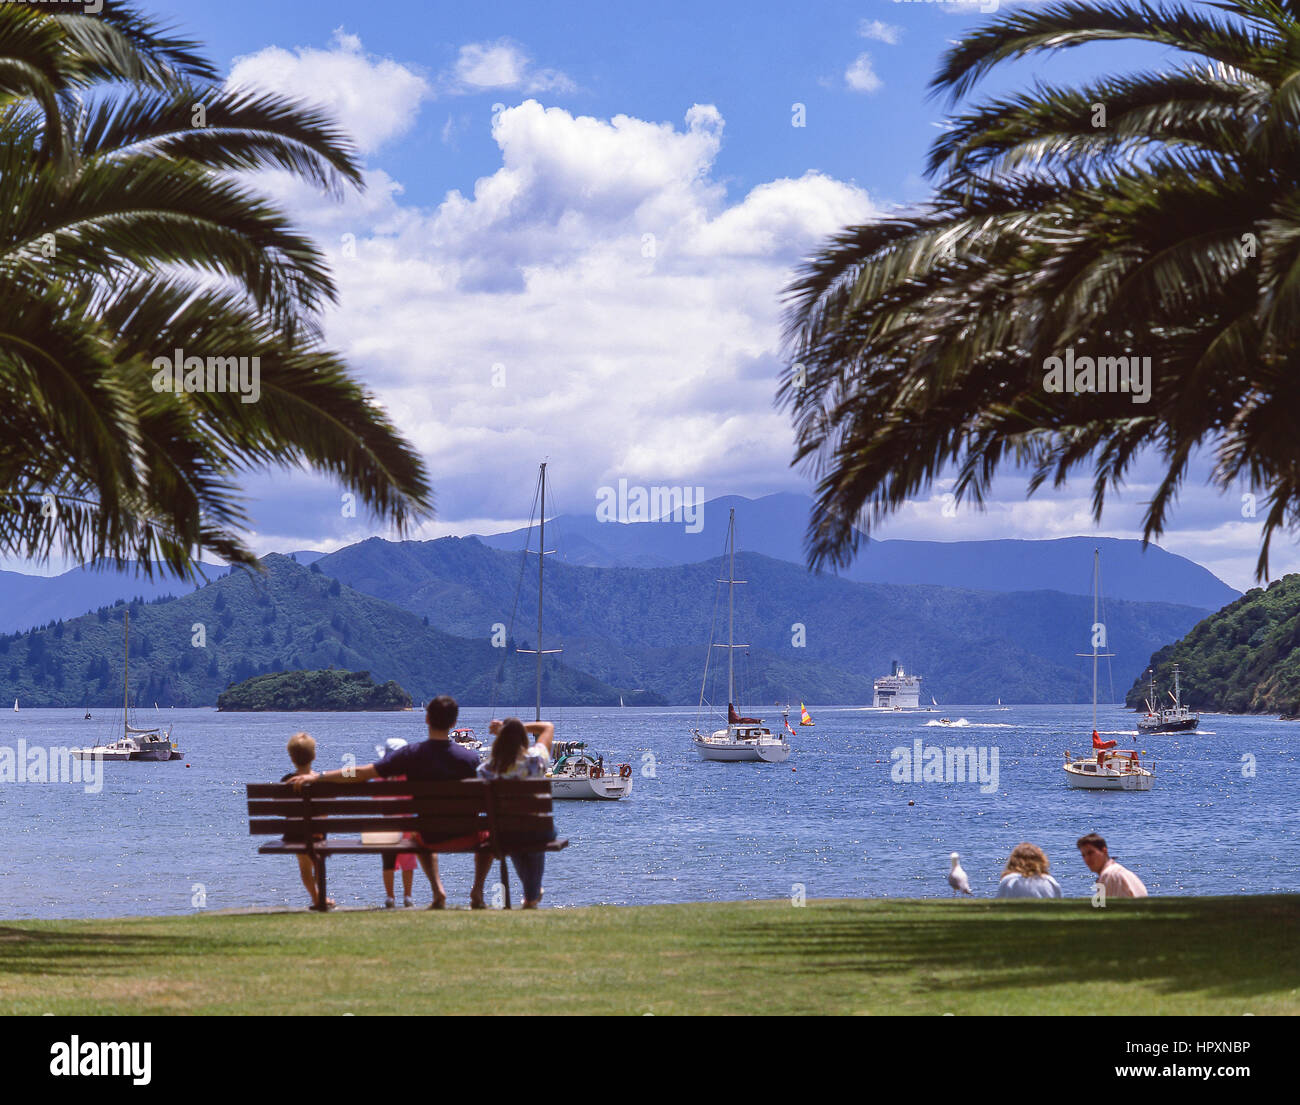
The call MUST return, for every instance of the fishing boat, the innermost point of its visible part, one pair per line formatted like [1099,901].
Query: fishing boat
[150,745]
[805,718]
[1175,719]
[1108,768]
[579,774]
[744,738]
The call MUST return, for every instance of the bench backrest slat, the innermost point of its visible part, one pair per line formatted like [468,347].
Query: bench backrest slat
[518,809]
[394,789]
[426,826]
[390,807]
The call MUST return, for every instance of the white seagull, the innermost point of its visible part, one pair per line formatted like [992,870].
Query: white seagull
[957,877]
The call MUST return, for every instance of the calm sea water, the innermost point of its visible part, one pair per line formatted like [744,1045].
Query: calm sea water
[829,820]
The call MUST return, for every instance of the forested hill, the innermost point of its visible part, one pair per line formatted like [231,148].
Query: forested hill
[314,690]
[186,650]
[1244,659]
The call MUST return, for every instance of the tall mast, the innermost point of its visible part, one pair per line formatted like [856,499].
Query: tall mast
[1096,586]
[541,552]
[126,669]
[1096,597]
[541,559]
[731,609]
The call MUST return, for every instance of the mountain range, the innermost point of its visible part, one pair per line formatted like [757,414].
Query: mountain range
[449,615]
[649,627]
[774,526]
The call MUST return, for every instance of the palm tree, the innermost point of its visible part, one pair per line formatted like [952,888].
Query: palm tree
[127,235]
[1147,215]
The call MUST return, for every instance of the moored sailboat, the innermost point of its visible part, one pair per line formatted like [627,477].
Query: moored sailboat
[150,745]
[579,774]
[744,738]
[1109,768]
[574,772]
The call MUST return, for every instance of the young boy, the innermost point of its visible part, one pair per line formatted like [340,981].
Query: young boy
[302,751]
[402,861]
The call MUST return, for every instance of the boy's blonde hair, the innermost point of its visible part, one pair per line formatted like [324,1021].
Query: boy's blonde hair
[302,749]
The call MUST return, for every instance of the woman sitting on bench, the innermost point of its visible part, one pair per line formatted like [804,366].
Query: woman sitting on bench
[513,758]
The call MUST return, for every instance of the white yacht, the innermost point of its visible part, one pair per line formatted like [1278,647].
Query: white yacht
[152,745]
[578,774]
[1109,768]
[744,738]
[575,773]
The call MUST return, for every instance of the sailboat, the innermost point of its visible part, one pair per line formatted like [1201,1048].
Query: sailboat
[1108,768]
[1001,707]
[744,738]
[152,745]
[805,718]
[575,773]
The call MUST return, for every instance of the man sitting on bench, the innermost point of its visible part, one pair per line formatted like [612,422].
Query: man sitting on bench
[434,760]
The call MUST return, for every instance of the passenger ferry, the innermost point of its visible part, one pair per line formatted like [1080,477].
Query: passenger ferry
[898,690]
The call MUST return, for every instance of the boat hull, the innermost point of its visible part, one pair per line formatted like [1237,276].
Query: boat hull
[585,788]
[1084,775]
[1181,726]
[153,755]
[104,754]
[742,751]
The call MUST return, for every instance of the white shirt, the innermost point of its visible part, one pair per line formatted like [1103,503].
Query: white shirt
[1029,886]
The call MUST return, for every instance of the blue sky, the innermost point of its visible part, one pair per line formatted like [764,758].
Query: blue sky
[518,158]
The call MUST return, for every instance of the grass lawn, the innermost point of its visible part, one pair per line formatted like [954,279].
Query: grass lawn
[1158,955]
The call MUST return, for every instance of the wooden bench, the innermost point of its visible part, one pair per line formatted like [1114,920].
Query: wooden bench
[515,815]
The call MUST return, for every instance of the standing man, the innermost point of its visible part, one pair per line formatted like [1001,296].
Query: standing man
[1115,880]
[434,760]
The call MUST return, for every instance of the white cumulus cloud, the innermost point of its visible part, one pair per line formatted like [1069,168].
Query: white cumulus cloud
[501,65]
[598,298]
[860,76]
[880,32]
[375,100]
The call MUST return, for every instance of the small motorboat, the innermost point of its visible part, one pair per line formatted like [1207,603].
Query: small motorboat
[468,738]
